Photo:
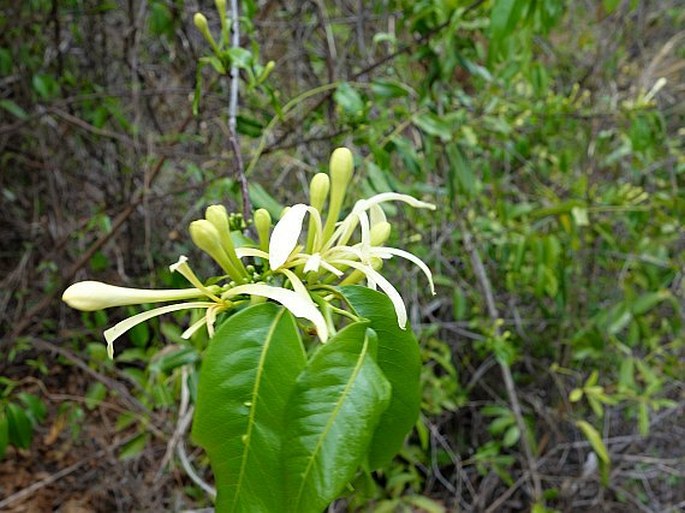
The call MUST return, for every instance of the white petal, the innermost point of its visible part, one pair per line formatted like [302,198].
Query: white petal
[285,235]
[385,252]
[386,286]
[298,305]
[313,263]
[194,327]
[89,296]
[122,327]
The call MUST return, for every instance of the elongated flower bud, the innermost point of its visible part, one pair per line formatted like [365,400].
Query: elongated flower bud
[341,167]
[262,223]
[268,68]
[89,296]
[318,190]
[201,23]
[217,215]
[206,237]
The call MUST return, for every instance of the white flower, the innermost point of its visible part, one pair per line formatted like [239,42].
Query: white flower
[333,254]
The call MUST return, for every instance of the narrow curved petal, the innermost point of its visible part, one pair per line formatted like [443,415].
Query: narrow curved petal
[396,196]
[285,235]
[190,331]
[298,305]
[251,252]
[297,284]
[89,296]
[183,268]
[387,287]
[385,252]
[122,327]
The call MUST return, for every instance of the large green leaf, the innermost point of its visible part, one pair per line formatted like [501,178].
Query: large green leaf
[399,359]
[332,414]
[247,375]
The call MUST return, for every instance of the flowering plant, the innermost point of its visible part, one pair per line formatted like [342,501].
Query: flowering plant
[285,428]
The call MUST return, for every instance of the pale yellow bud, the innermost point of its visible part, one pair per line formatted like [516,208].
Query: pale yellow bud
[206,237]
[380,233]
[200,21]
[318,190]
[217,215]
[268,68]
[262,223]
[341,167]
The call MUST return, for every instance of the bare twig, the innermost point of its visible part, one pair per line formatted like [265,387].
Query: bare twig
[233,113]
[483,280]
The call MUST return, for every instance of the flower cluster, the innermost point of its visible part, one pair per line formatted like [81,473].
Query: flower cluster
[283,265]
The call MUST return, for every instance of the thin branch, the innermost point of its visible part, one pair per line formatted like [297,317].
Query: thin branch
[233,113]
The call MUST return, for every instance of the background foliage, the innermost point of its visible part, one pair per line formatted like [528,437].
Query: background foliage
[542,129]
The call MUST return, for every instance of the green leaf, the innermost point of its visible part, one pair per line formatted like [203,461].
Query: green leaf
[240,57]
[13,109]
[400,360]
[45,85]
[169,361]
[595,440]
[20,431]
[434,125]
[349,100]
[247,375]
[389,89]
[4,434]
[332,415]
[134,447]
[35,408]
[95,395]
[263,199]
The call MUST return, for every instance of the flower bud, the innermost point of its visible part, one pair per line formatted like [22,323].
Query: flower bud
[380,233]
[89,296]
[262,223]
[268,68]
[201,23]
[217,215]
[206,237]
[341,167]
[318,190]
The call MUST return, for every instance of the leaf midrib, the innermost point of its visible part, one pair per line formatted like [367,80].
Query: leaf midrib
[334,414]
[253,407]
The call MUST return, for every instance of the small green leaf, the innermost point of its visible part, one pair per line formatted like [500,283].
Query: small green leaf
[240,57]
[14,109]
[575,395]
[35,408]
[133,447]
[595,440]
[263,199]
[45,85]
[95,395]
[4,434]
[511,436]
[349,99]
[434,125]
[20,431]
[388,89]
